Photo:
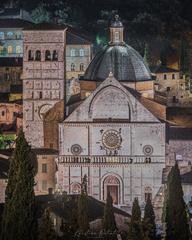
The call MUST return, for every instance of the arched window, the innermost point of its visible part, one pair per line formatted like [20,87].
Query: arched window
[47,55]
[10,35]
[72,52]
[1,50]
[72,67]
[148,193]
[38,55]
[117,37]
[30,56]
[18,49]
[82,67]
[2,35]
[76,188]
[55,55]
[81,52]
[10,49]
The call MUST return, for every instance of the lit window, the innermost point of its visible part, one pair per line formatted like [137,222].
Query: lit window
[10,49]
[2,35]
[87,94]
[1,50]
[81,52]
[44,168]
[179,157]
[72,67]
[10,34]
[18,49]
[81,67]
[72,52]
[47,55]
[116,36]
[44,185]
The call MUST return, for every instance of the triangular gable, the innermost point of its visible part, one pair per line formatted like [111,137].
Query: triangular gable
[111,100]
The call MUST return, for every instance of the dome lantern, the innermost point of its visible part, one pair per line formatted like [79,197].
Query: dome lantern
[116,31]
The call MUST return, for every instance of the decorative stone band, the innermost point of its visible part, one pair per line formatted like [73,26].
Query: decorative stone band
[111,159]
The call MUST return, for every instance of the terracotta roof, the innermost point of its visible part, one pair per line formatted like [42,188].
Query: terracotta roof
[164,69]
[14,23]
[45,26]
[45,151]
[16,88]
[95,207]
[179,133]
[186,178]
[4,97]
[74,39]
[11,62]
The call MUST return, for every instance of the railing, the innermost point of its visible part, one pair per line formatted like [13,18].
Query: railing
[111,159]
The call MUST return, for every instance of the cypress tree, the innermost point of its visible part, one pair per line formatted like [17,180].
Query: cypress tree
[46,228]
[176,221]
[109,223]
[135,231]
[149,227]
[19,220]
[83,220]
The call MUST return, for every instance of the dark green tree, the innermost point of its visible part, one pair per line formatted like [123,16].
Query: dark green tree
[83,221]
[46,228]
[135,229]
[109,223]
[177,227]
[19,218]
[149,227]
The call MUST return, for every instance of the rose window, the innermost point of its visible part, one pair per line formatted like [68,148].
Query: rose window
[148,150]
[111,139]
[76,149]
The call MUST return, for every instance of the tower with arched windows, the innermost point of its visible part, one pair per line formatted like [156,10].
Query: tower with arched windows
[43,77]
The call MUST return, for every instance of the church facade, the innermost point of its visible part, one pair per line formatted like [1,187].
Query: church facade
[113,139]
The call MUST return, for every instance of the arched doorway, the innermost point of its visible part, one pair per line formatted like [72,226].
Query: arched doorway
[111,184]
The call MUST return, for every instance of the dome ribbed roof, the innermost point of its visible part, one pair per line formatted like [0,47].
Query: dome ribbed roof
[123,61]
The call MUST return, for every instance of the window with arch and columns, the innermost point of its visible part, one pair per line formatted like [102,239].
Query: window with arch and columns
[47,55]
[55,56]
[30,55]
[38,55]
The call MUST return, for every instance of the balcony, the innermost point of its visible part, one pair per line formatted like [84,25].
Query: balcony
[111,159]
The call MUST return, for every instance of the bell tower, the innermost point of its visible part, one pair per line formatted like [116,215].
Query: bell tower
[43,77]
[116,32]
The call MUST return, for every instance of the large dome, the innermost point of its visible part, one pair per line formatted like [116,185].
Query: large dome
[123,61]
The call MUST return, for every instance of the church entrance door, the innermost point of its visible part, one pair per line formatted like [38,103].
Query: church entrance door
[111,184]
[113,190]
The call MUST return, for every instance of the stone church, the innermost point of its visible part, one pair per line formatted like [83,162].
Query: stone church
[111,136]
[105,132]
